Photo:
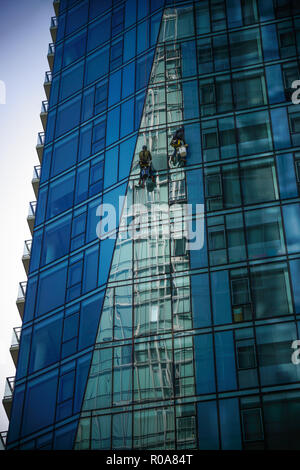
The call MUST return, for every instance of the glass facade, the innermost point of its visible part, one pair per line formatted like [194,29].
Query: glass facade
[141,342]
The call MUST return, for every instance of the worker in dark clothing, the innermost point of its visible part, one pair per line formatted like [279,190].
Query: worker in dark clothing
[179,145]
[145,165]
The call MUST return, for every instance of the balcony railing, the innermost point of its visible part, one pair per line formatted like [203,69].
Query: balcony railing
[9,387]
[3,436]
[45,106]
[36,179]
[47,83]
[15,341]
[41,138]
[51,48]
[48,77]
[22,290]
[21,297]
[26,255]
[40,145]
[36,172]
[44,113]
[15,344]
[32,209]
[8,394]
[31,215]
[54,22]
[51,51]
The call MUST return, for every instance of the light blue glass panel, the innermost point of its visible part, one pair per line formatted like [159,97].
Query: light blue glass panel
[230,424]
[189,64]
[190,100]
[266,11]
[129,44]
[114,94]
[204,364]
[90,269]
[291,217]
[295,275]
[68,116]
[96,65]
[60,195]
[121,431]
[269,42]
[101,432]
[128,80]
[89,319]
[281,133]
[234,13]
[127,114]
[275,84]
[46,342]
[126,155]
[221,297]
[208,431]
[40,401]
[56,240]
[111,167]
[200,294]
[71,80]
[225,361]
[112,128]
[16,412]
[51,291]
[286,176]
[64,154]
[74,48]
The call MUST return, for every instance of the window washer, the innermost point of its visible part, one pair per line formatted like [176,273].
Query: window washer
[179,145]
[145,165]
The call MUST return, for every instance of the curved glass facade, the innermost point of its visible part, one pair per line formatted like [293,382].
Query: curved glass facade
[138,340]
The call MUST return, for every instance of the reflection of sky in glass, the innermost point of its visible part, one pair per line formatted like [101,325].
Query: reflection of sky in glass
[24,38]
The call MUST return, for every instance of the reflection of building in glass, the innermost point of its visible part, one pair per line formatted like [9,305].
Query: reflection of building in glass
[138,342]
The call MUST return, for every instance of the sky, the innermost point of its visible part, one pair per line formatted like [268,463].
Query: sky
[24,39]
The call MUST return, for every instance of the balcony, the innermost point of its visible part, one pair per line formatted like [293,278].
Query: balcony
[26,255]
[44,113]
[47,83]
[3,436]
[8,395]
[53,27]
[50,56]
[21,297]
[40,145]
[56,4]
[36,179]
[31,216]
[15,344]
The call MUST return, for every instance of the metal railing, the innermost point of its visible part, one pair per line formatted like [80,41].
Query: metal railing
[9,387]
[36,172]
[54,22]
[45,106]
[15,341]
[48,77]
[27,247]
[32,209]
[51,49]
[3,436]
[22,290]
[41,138]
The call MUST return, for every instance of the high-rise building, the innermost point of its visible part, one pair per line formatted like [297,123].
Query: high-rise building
[169,322]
